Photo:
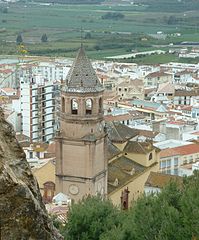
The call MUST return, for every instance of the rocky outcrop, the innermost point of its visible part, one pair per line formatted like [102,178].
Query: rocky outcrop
[22,213]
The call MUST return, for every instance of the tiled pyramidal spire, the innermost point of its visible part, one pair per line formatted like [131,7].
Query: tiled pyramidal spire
[82,77]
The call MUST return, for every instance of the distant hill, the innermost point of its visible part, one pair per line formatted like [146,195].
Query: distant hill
[170,5]
[71,1]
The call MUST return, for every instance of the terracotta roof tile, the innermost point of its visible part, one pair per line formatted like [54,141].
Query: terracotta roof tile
[122,169]
[139,147]
[82,75]
[157,74]
[118,132]
[160,180]
[182,150]
[186,93]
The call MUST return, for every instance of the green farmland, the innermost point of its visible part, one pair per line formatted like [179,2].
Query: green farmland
[101,36]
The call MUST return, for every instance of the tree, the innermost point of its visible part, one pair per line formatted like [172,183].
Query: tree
[113,16]
[19,39]
[87,35]
[91,218]
[190,207]
[171,214]
[4,10]
[172,20]
[44,38]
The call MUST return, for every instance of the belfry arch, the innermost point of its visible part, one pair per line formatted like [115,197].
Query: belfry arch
[74,106]
[89,106]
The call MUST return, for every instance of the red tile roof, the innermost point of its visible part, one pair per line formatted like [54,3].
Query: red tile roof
[160,180]
[6,71]
[187,108]
[196,133]
[182,150]
[157,74]
[177,122]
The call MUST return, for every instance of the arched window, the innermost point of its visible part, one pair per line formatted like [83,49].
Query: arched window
[74,106]
[89,106]
[63,104]
[100,105]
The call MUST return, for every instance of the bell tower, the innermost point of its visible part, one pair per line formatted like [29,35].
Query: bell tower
[81,165]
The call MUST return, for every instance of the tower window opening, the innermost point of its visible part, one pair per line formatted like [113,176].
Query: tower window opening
[89,105]
[63,104]
[74,106]
[100,105]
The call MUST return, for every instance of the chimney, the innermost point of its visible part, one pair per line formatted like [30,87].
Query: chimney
[125,199]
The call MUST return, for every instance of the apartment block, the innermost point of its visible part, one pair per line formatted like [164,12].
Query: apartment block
[38,108]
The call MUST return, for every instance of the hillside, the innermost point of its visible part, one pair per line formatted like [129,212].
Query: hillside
[71,1]
[170,5]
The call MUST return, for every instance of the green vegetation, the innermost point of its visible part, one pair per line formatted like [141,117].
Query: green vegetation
[106,30]
[90,219]
[71,1]
[44,38]
[19,39]
[170,5]
[161,58]
[113,15]
[171,214]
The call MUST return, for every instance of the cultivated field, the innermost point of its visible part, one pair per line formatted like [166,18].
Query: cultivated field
[107,36]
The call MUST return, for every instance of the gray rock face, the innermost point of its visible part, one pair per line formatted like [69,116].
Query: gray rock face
[22,213]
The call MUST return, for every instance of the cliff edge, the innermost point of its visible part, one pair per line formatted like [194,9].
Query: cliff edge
[22,212]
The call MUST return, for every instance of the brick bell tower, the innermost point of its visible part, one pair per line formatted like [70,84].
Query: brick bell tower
[81,165]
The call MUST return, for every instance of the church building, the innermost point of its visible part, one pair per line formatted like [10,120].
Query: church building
[81,164]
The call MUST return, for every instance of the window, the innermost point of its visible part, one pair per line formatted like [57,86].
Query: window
[191,159]
[185,160]
[175,161]
[63,104]
[150,156]
[100,105]
[168,171]
[163,164]
[74,106]
[175,172]
[30,154]
[119,89]
[43,97]
[168,163]
[89,105]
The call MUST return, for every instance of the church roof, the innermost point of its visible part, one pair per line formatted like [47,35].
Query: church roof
[82,77]
[123,169]
[140,147]
[118,132]
[112,150]
[160,180]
